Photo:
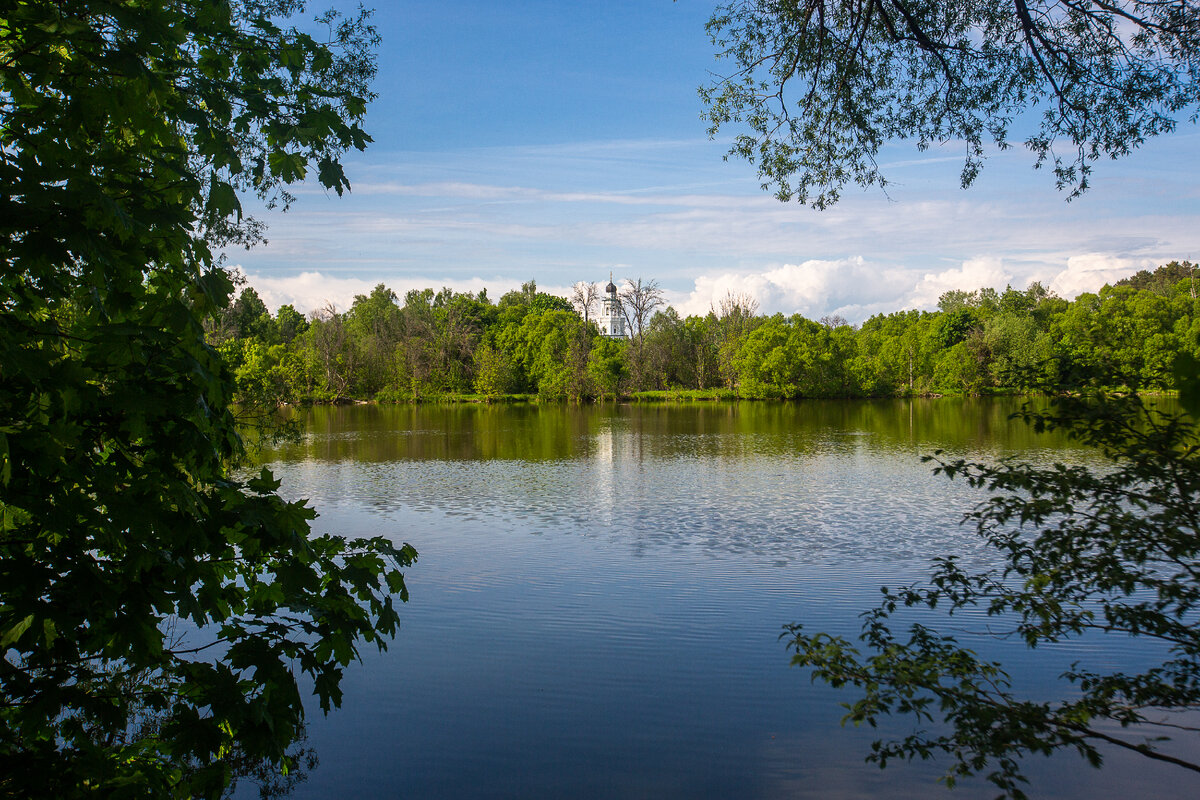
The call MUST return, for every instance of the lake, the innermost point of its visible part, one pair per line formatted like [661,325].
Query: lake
[597,605]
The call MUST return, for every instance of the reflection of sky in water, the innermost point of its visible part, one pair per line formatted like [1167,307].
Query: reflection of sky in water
[823,504]
[598,600]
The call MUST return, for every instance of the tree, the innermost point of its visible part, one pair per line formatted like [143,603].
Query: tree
[128,131]
[289,323]
[1112,549]
[249,316]
[669,351]
[735,317]
[333,352]
[460,319]
[820,85]
[704,357]
[552,348]
[372,328]
[417,354]
[1163,279]
[769,363]
[608,366]
[494,374]
[584,296]
[638,301]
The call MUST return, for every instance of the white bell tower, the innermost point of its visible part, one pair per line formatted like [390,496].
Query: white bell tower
[612,320]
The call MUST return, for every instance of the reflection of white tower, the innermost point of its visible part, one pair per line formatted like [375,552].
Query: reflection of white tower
[612,321]
[604,480]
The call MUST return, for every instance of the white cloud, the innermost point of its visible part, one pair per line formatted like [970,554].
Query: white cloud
[975,273]
[666,211]
[856,288]
[813,288]
[1089,272]
[309,291]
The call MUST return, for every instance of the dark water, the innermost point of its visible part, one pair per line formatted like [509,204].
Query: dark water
[598,601]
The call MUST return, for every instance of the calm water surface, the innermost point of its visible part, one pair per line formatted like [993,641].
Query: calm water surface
[598,600]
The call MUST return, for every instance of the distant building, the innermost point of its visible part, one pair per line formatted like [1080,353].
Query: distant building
[612,319]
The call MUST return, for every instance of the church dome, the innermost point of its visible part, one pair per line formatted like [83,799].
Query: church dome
[611,288]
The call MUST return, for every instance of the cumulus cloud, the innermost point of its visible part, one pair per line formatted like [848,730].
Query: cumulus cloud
[810,287]
[975,273]
[309,291]
[1087,273]
[854,288]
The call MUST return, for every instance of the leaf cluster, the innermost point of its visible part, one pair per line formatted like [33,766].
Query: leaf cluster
[1111,550]
[817,86]
[156,612]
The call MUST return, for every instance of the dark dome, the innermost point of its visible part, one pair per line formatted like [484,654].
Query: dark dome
[611,288]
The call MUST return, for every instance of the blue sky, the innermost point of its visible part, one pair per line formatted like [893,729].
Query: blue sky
[561,142]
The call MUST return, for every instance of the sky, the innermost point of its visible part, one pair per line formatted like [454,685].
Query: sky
[562,142]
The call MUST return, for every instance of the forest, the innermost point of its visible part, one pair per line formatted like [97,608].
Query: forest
[441,345]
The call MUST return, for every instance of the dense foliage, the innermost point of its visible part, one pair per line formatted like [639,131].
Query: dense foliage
[156,613]
[529,342]
[1084,552]
[816,87]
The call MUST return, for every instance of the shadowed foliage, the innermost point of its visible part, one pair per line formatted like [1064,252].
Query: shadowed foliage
[156,612]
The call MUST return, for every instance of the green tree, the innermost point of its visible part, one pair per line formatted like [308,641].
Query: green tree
[532,300]
[896,349]
[1164,279]
[820,85]
[459,321]
[331,354]
[638,301]
[289,323]
[669,352]
[840,348]
[1112,549]
[416,356]
[703,353]
[608,366]
[1015,348]
[494,374]
[128,131]
[373,329]
[731,320]
[552,348]
[248,316]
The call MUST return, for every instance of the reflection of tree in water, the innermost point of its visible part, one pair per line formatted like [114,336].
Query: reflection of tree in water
[147,690]
[526,432]
[781,481]
[266,776]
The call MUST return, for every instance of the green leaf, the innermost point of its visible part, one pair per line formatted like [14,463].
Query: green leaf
[223,200]
[14,633]
[395,582]
[288,167]
[332,176]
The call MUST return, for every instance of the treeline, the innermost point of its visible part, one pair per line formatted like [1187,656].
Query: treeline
[432,345]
